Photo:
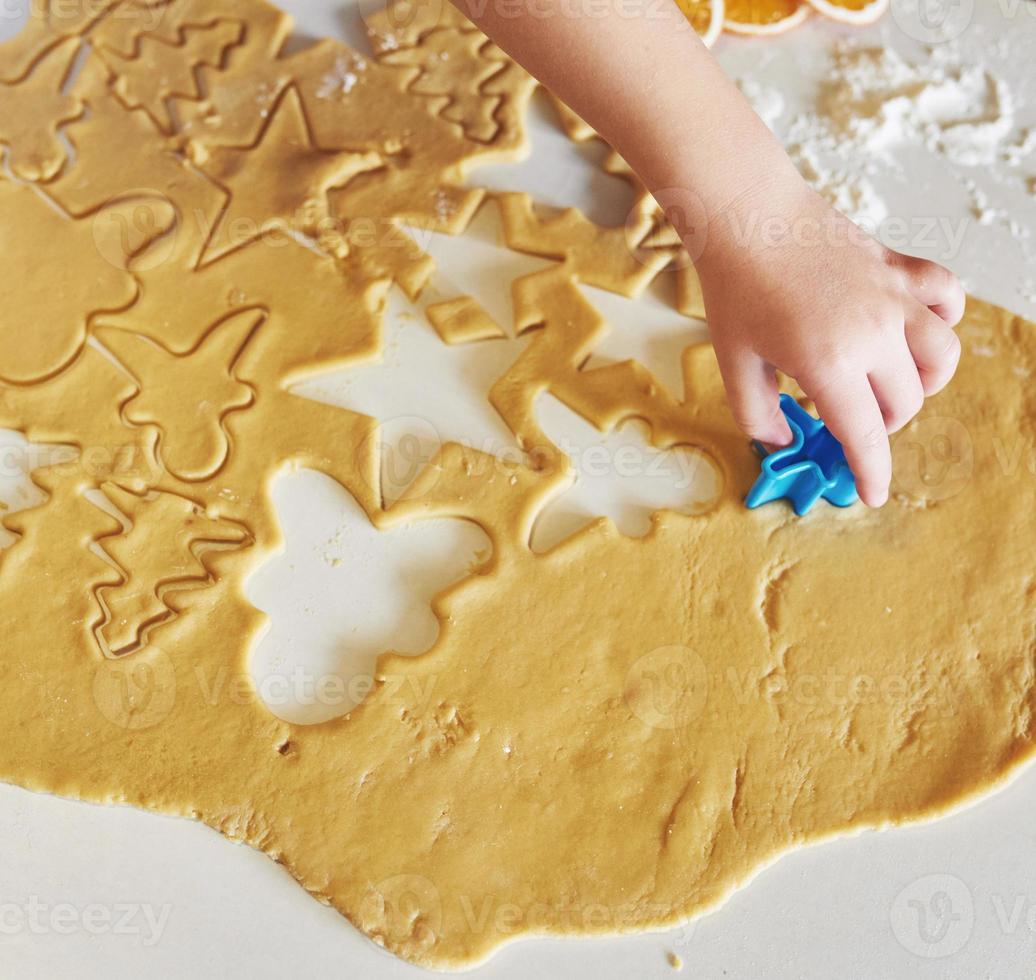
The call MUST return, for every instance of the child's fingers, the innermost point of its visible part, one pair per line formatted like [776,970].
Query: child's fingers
[934,347]
[934,286]
[897,387]
[754,398]
[851,412]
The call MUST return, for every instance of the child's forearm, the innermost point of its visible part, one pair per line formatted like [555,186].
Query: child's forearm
[630,71]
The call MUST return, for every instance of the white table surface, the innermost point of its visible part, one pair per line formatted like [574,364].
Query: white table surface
[89,892]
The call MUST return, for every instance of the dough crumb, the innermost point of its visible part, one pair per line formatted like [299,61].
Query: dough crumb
[674,961]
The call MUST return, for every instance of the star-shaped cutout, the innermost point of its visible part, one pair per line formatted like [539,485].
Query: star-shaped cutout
[279,183]
[812,467]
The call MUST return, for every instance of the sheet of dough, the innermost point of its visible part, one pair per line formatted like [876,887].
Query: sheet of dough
[608,737]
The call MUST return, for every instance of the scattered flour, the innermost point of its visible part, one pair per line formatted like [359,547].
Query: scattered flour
[877,117]
[981,207]
[341,79]
[879,103]
[265,95]
[1023,147]
[873,105]
[383,40]
[443,206]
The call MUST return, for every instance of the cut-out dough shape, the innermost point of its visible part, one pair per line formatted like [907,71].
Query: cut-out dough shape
[51,412]
[135,23]
[56,279]
[318,318]
[48,24]
[162,71]
[462,320]
[442,69]
[556,359]
[159,557]
[647,331]
[240,93]
[18,491]
[578,170]
[343,593]
[514,88]
[622,259]
[258,198]
[241,89]
[404,23]
[380,112]
[648,236]
[189,397]
[618,475]
[101,176]
[32,113]
[410,428]
[604,257]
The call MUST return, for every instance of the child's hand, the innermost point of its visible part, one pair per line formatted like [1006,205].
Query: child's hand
[866,332]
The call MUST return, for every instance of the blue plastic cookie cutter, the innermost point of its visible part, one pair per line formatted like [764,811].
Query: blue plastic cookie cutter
[813,466]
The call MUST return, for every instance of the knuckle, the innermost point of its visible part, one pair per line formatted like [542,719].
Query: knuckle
[897,418]
[891,257]
[951,352]
[940,349]
[937,274]
[879,323]
[908,401]
[885,319]
[756,425]
[912,404]
[935,277]
[833,356]
[872,437]
[827,370]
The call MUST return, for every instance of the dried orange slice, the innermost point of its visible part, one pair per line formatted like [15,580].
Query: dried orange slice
[706,17]
[764,16]
[851,11]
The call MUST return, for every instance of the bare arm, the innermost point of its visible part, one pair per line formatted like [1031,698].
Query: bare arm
[864,330]
[647,84]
